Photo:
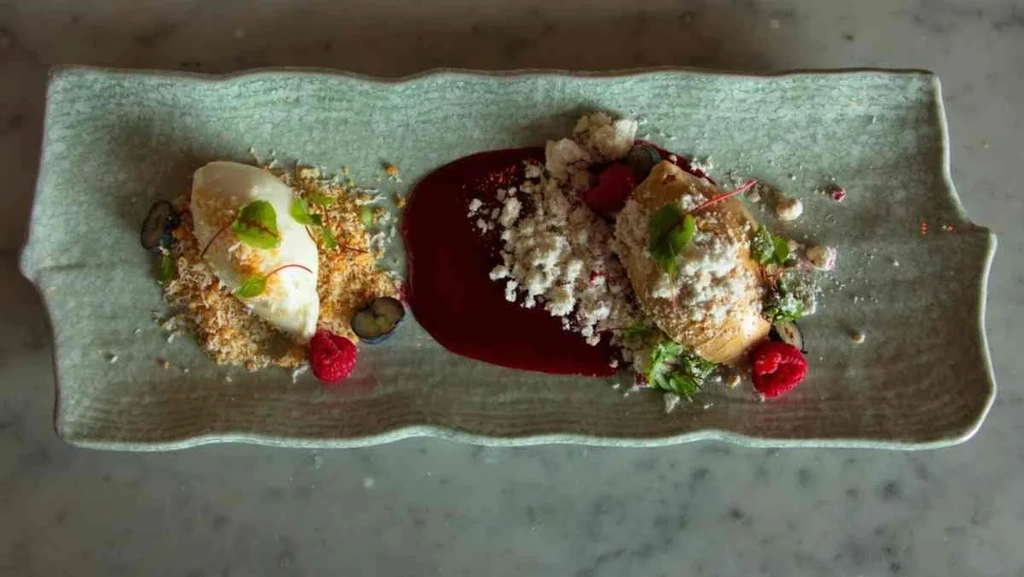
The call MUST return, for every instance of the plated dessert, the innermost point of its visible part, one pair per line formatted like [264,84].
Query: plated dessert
[596,254]
[273,268]
[913,267]
[600,253]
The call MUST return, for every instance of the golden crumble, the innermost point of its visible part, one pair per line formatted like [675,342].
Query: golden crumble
[225,328]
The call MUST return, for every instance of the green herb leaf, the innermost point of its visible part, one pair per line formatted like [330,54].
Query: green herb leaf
[782,304]
[167,269]
[300,212]
[769,249]
[251,287]
[669,230]
[320,199]
[256,225]
[637,332]
[329,240]
[366,216]
[781,253]
[673,369]
[762,246]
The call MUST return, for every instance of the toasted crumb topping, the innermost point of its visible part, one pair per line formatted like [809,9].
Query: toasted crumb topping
[232,335]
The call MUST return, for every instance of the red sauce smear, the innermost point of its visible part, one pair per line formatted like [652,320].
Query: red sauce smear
[448,288]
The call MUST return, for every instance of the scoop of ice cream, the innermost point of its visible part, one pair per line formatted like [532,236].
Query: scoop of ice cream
[289,302]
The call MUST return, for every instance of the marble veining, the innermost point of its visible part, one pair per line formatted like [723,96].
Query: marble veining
[423,507]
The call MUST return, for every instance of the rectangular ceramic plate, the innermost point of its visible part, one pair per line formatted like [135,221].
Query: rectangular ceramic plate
[116,140]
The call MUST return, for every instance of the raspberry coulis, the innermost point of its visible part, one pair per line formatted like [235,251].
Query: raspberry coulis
[447,285]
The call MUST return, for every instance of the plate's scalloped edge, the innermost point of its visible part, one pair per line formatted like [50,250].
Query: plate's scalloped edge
[61,69]
[990,245]
[422,431]
[30,270]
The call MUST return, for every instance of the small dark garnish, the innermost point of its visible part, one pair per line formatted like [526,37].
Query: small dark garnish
[642,159]
[156,228]
[788,332]
[378,320]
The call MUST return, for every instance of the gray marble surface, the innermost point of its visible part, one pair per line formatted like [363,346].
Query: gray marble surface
[428,507]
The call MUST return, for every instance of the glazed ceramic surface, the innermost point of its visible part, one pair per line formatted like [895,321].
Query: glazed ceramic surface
[114,141]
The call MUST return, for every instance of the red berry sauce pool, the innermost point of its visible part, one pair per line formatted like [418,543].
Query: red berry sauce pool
[448,287]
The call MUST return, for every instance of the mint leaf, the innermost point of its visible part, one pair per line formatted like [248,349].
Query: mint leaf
[319,199]
[681,384]
[762,245]
[637,332]
[669,230]
[329,240]
[767,249]
[167,269]
[366,216]
[673,369]
[661,222]
[256,225]
[781,252]
[300,212]
[251,287]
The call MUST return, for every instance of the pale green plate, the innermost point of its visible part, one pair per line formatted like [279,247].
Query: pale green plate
[116,140]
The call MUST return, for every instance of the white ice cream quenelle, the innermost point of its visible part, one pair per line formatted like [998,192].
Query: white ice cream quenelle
[289,302]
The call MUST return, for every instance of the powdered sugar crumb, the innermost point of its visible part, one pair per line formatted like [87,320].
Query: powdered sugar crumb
[558,253]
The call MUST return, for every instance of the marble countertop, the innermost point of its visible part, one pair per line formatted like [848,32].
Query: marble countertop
[423,507]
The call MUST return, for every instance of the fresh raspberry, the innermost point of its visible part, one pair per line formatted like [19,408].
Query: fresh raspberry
[331,357]
[778,367]
[612,190]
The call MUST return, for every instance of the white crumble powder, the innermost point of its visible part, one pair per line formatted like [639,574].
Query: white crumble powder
[481,224]
[605,139]
[671,401]
[558,252]
[710,275]
[561,155]
[474,206]
[705,165]
[510,291]
[510,211]
[499,272]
